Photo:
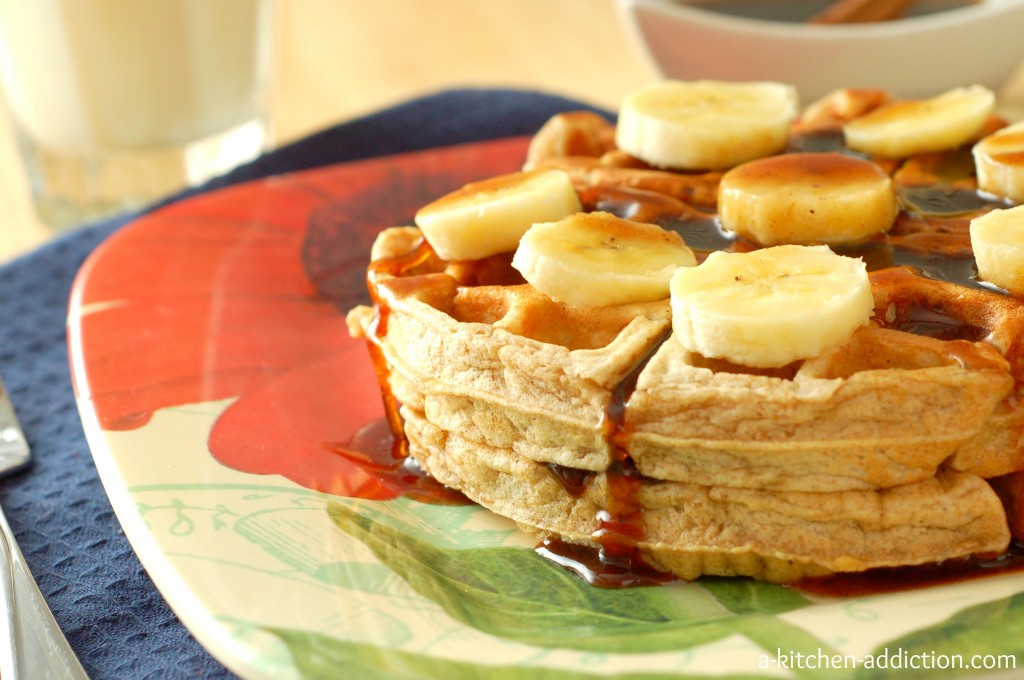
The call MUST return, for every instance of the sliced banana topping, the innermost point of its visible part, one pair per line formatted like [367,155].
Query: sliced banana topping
[999,162]
[807,198]
[770,307]
[706,125]
[998,241]
[489,217]
[598,259]
[905,128]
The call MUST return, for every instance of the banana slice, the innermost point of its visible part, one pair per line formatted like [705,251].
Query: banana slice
[770,307]
[999,162]
[598,259]
[807,198]
[998,241]
[489,217]
[905,128]
[706,124]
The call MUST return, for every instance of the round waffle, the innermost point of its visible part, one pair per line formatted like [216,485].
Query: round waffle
[593,426]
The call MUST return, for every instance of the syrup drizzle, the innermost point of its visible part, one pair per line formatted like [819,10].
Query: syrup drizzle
[921,320]
[385,450]
[401,265]
[617,562]
[941,201]
[573,480]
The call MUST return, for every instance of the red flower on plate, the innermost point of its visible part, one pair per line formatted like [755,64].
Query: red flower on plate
[241,293]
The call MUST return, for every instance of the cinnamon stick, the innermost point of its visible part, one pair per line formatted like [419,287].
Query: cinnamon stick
[861,11]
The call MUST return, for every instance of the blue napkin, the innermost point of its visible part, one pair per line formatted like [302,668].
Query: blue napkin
[111,613]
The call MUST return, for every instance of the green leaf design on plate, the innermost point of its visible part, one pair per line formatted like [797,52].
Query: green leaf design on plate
[319,656]
[991,630]
[746,596]
[513,593]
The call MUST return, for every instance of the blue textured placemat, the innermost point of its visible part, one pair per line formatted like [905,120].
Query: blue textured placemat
[116,621]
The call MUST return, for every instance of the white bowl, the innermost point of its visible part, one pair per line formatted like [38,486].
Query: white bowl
[914,57]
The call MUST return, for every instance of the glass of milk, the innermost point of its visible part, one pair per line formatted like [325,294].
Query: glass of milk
[117,103]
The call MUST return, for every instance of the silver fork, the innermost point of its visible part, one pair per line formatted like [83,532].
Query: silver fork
[31,643]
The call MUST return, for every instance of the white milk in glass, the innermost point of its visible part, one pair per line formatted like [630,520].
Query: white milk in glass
[118,102]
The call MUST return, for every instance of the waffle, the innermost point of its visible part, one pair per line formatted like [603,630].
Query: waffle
[593,426]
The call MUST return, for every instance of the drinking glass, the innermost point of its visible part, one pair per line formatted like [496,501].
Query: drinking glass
[117,103]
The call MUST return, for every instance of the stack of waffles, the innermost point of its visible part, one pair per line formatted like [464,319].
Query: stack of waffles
[726,336]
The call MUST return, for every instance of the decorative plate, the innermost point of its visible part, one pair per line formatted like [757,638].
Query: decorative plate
[226,407]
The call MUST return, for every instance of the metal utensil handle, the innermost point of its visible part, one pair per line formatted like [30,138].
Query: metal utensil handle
[38,648]
[8,658]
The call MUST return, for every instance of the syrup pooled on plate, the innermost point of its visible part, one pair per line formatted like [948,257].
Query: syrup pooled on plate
[896,579]
[374,449]
[601,567]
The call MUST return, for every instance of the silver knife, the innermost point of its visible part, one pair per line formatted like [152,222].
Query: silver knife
[14,451]
[31,643]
